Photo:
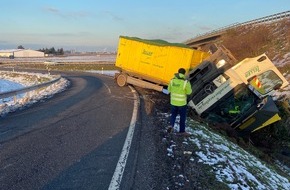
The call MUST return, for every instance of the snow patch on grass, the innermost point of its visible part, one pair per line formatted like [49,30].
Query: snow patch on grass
[231,164]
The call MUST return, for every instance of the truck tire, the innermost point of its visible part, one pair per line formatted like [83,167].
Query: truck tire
[122,80]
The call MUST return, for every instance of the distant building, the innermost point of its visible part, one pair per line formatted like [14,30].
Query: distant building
[14,53]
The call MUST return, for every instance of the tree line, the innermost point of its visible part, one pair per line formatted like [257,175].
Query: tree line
[51,51]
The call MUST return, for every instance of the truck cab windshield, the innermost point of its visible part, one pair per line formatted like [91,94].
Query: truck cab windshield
[234,106]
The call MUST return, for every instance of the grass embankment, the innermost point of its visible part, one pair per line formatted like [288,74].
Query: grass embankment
[250,41]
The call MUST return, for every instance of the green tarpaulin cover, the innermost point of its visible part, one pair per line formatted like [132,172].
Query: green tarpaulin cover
[156,42]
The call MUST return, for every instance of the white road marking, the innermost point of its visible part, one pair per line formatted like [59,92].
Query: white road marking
[107,88]
[118,174]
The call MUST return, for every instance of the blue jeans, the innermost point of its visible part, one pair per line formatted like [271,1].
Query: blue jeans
[181,110]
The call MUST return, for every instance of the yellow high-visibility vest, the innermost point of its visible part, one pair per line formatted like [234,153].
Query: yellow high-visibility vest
[179,88]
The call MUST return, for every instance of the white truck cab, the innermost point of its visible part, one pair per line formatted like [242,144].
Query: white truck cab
[237,96]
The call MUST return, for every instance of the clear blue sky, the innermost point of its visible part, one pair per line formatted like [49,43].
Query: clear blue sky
[95,25]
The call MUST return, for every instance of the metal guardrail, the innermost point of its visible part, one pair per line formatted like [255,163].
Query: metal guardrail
[27,89]
[270,18]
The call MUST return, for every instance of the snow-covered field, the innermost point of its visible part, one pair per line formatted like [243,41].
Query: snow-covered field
[7,85]
[14,80]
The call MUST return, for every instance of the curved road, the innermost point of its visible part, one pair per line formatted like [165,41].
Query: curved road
[70,141]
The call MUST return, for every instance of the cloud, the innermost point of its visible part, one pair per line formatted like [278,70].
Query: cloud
[52,10]
[113,16]
[67,34]
[79,14]
[61,34]
[67,15]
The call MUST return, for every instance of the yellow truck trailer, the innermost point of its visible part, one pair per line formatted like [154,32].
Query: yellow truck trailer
[152,63]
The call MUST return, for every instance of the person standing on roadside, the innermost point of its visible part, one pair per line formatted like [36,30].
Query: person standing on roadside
[179,88]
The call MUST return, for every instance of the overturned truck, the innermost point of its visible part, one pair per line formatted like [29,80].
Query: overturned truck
[234,94]
[239,96]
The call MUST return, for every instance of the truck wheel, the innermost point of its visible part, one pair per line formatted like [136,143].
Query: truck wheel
[122,80]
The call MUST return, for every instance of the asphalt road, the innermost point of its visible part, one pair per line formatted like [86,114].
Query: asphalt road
[70,141]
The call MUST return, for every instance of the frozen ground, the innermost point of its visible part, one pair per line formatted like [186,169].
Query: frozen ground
[229,163]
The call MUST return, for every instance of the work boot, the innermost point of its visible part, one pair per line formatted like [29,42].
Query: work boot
[184,134]
[169,129]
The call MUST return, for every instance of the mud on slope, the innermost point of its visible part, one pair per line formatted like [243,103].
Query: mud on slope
[180,171]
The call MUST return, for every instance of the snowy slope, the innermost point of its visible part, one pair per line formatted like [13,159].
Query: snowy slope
[14,80]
